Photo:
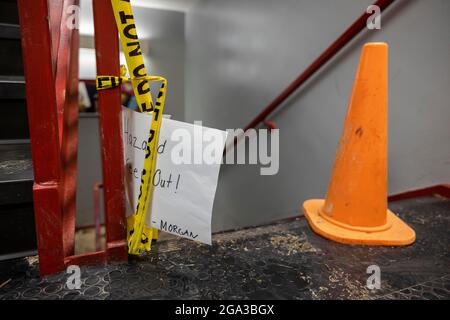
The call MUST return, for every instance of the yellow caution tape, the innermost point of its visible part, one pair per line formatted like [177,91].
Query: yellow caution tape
[139,235]
[123,14]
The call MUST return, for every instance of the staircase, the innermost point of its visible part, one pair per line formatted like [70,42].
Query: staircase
[17,228]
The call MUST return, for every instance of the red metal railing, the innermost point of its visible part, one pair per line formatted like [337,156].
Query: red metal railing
[442,190]
[50,53]
[44,132]
[330,52]
[107,57]
[66,84]
[109,103]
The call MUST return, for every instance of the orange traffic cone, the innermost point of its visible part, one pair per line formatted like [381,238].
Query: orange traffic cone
[355,209]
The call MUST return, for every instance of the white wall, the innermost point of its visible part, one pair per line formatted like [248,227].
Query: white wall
[241,53]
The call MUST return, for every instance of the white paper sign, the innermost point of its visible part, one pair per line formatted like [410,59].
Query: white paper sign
[185,178]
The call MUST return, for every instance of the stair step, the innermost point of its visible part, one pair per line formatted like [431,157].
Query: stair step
[13,110]
[11,53]
[15,150]
[10,44]
[12,87]
[17,231]
[9,31]
[16,172]
[9,12]
[13,119]
[17,226]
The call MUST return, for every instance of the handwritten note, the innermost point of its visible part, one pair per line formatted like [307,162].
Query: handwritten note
[185,183]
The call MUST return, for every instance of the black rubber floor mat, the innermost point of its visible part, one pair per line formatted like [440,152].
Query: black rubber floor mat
[280,261]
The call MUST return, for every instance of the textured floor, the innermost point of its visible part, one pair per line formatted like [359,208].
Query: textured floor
[281,261]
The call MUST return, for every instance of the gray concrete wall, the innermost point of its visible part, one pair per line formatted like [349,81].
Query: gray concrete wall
[241,53]
[89,168]
[164,52]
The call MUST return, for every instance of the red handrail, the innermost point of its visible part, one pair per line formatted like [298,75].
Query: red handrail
[107,55]
[44,132]
[107,58]
[330,52]
[50,54]
[66,84]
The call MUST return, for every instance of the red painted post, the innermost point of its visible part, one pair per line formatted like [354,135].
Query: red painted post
[67,104]
[60,36]
[43,124]
[442,190]
[107,55]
